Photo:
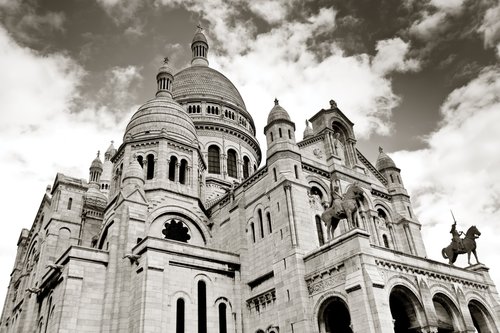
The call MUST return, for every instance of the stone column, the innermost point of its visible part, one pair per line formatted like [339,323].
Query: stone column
[409,238]
[393,236]
[176,172]
[291,220]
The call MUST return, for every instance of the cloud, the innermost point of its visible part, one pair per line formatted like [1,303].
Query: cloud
[271,11]
[459,168]
[430,26]
[391,54]
[39,134]
[491,28]
[119,10]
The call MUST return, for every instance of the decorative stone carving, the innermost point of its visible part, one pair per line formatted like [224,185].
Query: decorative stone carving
[330,281]
[318,153]
[176,230]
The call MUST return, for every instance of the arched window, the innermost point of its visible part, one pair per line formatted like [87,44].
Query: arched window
[151,167]
[279,130]
[246,167]
[386,241]
[231,163]
[182,171]
[296,172]
[392,178]
[198,109]
[252,230]
[254,167]
[275,175]
[202,307]
[272,137]
[140,159]
[213,159]
[316,191]
[319,230]
[70,203]
[261,223]
[171,168]
[268,215]
[289,134]
[222,318]
[179,319]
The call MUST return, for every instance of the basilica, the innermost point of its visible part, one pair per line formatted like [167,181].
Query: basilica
[184,227]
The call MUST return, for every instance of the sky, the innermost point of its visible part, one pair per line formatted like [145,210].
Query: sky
[419,78]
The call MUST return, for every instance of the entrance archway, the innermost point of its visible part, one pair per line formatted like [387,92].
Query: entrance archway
[334,316]
[483,322]
[448,316]
[405,309]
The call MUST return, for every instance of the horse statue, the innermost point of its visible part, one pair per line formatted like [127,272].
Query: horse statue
[342,208]
[468,245]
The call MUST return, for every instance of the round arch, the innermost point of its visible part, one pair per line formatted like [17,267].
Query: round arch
[406,309]
[154,223]
[334,316]
[481,317]
[448,316]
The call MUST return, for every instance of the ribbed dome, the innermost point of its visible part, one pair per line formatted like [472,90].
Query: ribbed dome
[199,37]
[96,163]
[205,82]
[277,113]
[96,195]
[384,161]
[161,115]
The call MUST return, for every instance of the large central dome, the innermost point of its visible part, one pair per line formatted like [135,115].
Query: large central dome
[207,83]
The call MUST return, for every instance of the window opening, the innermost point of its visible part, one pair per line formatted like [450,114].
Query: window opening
[213,159]
[171,168]
[231,164]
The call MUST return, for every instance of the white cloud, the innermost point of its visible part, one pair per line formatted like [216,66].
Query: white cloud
[491,28]
[271,11]
[39,134]
[391,54]
[430,26]
[120,10]
[51,20]
[459,169]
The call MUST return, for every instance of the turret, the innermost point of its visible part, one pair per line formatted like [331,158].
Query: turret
[386,166]
[164,80]
[308,131]
[279,131]
[199,48]
[107,169]
[133,175]
[95,170]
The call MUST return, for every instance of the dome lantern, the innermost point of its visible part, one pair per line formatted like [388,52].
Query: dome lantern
[199,48]
[95,169]
[384,161]
[164,80]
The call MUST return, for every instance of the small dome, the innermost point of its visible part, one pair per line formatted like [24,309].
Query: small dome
[161,115]
[199,37]
[165,68]
[277,113]
[110,152]
[96,163]
[384,161]
[308,131]
[95,195]
[134,171]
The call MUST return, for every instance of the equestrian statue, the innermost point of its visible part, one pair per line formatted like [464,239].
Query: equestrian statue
[341,207]
[461,245]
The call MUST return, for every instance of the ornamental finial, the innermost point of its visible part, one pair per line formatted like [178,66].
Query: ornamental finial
[276,102]
[166,60]
[380,149]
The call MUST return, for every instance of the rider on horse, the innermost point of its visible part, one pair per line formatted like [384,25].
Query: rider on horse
[336,197]
[456,241]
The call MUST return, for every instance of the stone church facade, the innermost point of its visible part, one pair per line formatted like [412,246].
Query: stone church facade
[179,230]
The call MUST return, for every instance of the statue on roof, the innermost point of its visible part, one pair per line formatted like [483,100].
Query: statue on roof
[460,245]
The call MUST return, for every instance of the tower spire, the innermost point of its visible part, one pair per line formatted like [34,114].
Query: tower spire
[199,48]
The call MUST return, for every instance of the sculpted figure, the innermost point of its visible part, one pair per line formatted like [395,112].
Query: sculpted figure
[341,207]
[461,246]
[456,241]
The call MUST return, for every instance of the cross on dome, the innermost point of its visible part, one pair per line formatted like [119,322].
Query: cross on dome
[166,60]
[276,102]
